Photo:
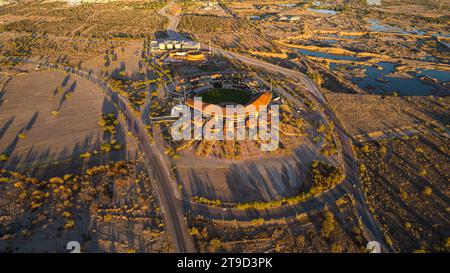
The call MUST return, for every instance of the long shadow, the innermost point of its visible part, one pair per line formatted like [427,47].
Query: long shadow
[65,81]
[2,97]
[116,72]
[14,161]
[46,164]
[201,186]
[6,126]
[31,122]
[66,94]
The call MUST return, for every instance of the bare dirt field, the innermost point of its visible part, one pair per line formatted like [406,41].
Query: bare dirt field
[49,117]
[371,115]
[121,62]
[266,179]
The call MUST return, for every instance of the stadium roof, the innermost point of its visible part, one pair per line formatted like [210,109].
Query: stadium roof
[257,104]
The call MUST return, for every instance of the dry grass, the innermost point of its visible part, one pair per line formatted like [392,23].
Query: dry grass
[363,114]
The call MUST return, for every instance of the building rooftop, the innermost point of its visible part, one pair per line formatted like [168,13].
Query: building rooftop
[259,103]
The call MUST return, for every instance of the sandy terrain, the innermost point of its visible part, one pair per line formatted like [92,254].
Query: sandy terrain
[26,108]
[127,60]
[247,180]
[365,114]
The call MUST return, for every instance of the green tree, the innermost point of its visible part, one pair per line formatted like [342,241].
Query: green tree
[365,148]
[427,191]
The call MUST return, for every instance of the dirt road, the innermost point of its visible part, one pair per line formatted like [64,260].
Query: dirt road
[350,185]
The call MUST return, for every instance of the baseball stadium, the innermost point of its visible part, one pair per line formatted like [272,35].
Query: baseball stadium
[215,100]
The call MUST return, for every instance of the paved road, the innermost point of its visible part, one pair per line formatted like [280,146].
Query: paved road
[172,203]
[172,209]
[350,185]
[174,20]
[171,206]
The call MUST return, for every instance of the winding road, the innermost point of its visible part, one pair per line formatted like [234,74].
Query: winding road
[156,163]
[350,185]
[173,205]
[165,185]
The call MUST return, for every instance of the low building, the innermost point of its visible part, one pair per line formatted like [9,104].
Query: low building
[174,45]
[186,56]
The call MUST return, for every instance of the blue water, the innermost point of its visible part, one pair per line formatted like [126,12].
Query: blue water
[324,11]
[334,35]
[442,76]
[329,42]
[406,87]
[326,55]
[375,25]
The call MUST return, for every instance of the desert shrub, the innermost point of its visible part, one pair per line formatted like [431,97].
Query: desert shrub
[365,148]
[300,239]
[447,243]
[108,122]
[69,224]
[327,224]
[324,176]
[205,201]
[316,77]
[215,244]
[105,147]
[4,179]
[85,155]
[427,191]
[336,248]
[56,180]
[321,128]
[362,168]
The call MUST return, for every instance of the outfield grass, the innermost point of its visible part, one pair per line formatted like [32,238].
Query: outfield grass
[220,95]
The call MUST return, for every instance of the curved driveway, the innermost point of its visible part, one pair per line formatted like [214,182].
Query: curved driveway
[350,185]
[172,204]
